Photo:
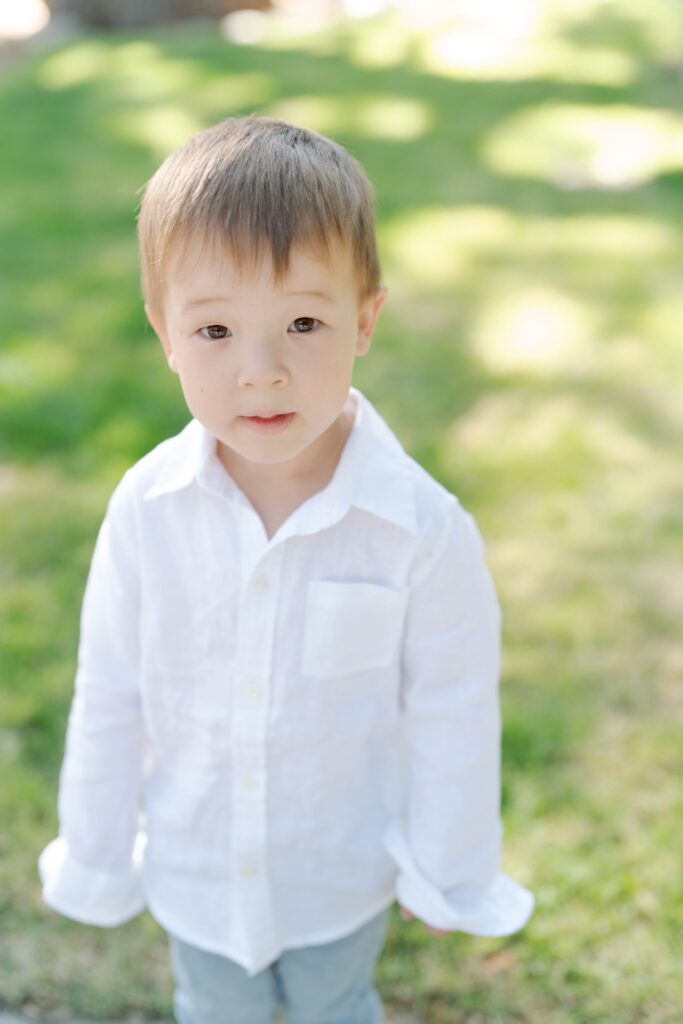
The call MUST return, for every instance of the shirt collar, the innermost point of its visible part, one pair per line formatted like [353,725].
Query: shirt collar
[372,474]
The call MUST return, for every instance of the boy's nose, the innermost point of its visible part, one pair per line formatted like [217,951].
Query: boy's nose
[261,367]
[275,378]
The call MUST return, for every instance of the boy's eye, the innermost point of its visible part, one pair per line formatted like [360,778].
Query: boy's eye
[305,324]
[216,332]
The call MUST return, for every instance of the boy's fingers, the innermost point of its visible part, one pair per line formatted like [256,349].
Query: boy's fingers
[407,916]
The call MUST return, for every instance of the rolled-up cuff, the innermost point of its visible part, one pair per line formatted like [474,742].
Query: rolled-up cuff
[499,908]
[86,894]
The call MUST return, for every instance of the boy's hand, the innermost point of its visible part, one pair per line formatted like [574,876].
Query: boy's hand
[407,916]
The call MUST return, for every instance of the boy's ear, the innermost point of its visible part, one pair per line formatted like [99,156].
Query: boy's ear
[163,338]
[367,318]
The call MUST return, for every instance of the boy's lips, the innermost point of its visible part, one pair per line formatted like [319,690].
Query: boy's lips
[268,423]
[265,415]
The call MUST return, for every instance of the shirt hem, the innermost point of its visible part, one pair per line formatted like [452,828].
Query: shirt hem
[320,938]
[336,933]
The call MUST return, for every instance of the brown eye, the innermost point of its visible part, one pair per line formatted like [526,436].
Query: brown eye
[215,332]
[305,324]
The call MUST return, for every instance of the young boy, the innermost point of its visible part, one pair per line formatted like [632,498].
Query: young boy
[286,706]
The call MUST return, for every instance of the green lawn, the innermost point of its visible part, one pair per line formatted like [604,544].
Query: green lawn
[530,356]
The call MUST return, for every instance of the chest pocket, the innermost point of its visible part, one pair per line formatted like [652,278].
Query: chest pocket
[351,627]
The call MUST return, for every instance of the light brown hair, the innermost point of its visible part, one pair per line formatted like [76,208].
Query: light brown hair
[256,184]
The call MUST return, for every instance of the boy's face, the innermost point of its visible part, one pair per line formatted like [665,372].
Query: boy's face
[244,347]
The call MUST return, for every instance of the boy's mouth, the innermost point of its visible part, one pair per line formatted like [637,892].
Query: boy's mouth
[269,424]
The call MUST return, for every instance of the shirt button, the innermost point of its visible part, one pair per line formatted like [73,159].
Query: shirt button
[249,781]
[261,583]
[250,870]
[253,689]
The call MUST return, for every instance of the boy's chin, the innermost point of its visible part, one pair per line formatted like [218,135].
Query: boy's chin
[258,455]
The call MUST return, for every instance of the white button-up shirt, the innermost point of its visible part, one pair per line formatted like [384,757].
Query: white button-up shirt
[271,740]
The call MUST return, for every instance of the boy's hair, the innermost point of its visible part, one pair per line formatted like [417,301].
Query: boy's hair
[256,184]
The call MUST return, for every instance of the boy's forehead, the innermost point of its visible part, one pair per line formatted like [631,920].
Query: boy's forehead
[309,269]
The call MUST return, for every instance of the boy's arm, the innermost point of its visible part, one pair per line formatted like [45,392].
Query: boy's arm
[448,848]
[91,871]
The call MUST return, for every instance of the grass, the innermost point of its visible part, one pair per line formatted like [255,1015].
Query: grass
[529,356]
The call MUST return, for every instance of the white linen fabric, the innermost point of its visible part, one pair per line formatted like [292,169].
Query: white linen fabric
[271,740]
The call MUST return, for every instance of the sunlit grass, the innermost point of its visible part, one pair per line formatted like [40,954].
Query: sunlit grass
[374,117]
[437,245]
[583,146]
[530,356]
[609,43]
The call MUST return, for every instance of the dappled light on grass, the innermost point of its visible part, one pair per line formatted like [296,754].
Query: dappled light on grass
[35,364]
[137,70]
[442,246]
[146,84]
[76,65]
[578,42]
[160,128]
[477,54]
[536,330]
[584,456]
[587,146]
[491,40]
[529,356]
[437,247]
[388,48]
[378,117]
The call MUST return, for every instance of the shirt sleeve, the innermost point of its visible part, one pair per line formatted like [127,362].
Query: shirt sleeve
[448,847]
[92,871]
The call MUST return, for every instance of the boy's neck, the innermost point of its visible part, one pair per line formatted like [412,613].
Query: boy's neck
[286,485]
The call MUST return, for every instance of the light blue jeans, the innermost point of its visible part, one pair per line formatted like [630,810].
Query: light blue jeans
[330,983]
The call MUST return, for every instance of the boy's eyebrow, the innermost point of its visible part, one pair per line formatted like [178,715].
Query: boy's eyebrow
[314,294]
[194,303]
[203,302]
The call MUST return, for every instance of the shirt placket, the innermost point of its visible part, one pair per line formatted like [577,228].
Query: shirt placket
[261,584]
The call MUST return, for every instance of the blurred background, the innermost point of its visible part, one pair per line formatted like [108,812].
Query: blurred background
[528,162]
